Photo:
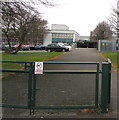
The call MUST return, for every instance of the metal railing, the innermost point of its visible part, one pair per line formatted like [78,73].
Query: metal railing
[31,104]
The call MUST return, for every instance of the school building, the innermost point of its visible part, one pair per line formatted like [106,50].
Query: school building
[61,33]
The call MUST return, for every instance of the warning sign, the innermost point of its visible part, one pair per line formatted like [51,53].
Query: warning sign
[38,67]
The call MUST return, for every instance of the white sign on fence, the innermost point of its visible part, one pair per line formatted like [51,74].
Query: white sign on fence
[38,67]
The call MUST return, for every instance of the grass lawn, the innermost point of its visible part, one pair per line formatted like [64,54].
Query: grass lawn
[114,57]
[41,56]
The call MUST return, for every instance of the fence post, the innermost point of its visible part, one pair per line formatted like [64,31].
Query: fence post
[105,87]
[109,92]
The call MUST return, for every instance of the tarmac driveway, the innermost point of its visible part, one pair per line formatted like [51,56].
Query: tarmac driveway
[59,89]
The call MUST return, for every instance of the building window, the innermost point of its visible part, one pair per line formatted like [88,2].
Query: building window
[62,35]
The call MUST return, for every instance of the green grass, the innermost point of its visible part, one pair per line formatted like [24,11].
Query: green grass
[27,57]
[114,57]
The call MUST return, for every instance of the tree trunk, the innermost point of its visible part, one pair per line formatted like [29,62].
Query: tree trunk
[19,47]
[9,49]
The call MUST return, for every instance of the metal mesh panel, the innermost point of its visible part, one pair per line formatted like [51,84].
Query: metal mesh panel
[65,89]
[15,89]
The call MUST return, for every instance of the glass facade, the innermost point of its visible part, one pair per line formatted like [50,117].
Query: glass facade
[62,37]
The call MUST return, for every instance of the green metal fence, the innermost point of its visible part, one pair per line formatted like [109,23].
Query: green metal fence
[31,100]
[30,72]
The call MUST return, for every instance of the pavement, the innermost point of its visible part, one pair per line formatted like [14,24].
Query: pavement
[62,89]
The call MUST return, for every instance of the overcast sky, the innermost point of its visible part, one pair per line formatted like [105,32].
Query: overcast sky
[79,15]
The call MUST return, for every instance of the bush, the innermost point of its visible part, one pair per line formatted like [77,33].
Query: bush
[86,44]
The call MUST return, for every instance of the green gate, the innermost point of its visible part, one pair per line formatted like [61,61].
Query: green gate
[32,90]
[25,71]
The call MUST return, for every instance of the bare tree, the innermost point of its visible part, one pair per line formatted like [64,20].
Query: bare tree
[36,35]
[114,20]
[33,2]
[20,20]
[101,32]
[44,2]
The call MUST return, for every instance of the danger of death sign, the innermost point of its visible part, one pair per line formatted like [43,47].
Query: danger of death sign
[38,68]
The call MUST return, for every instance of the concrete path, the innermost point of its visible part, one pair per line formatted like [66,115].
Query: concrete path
[63,90]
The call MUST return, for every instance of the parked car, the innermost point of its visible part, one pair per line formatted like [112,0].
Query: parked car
[2,47]
[6,46]
[40,47]
[32,47]
[15,47]
[66,45]
[55,47]
[23,47]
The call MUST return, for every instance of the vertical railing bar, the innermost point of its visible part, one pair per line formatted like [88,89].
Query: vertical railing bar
[109,92]
[34,92]
[97,86]
[30,89]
